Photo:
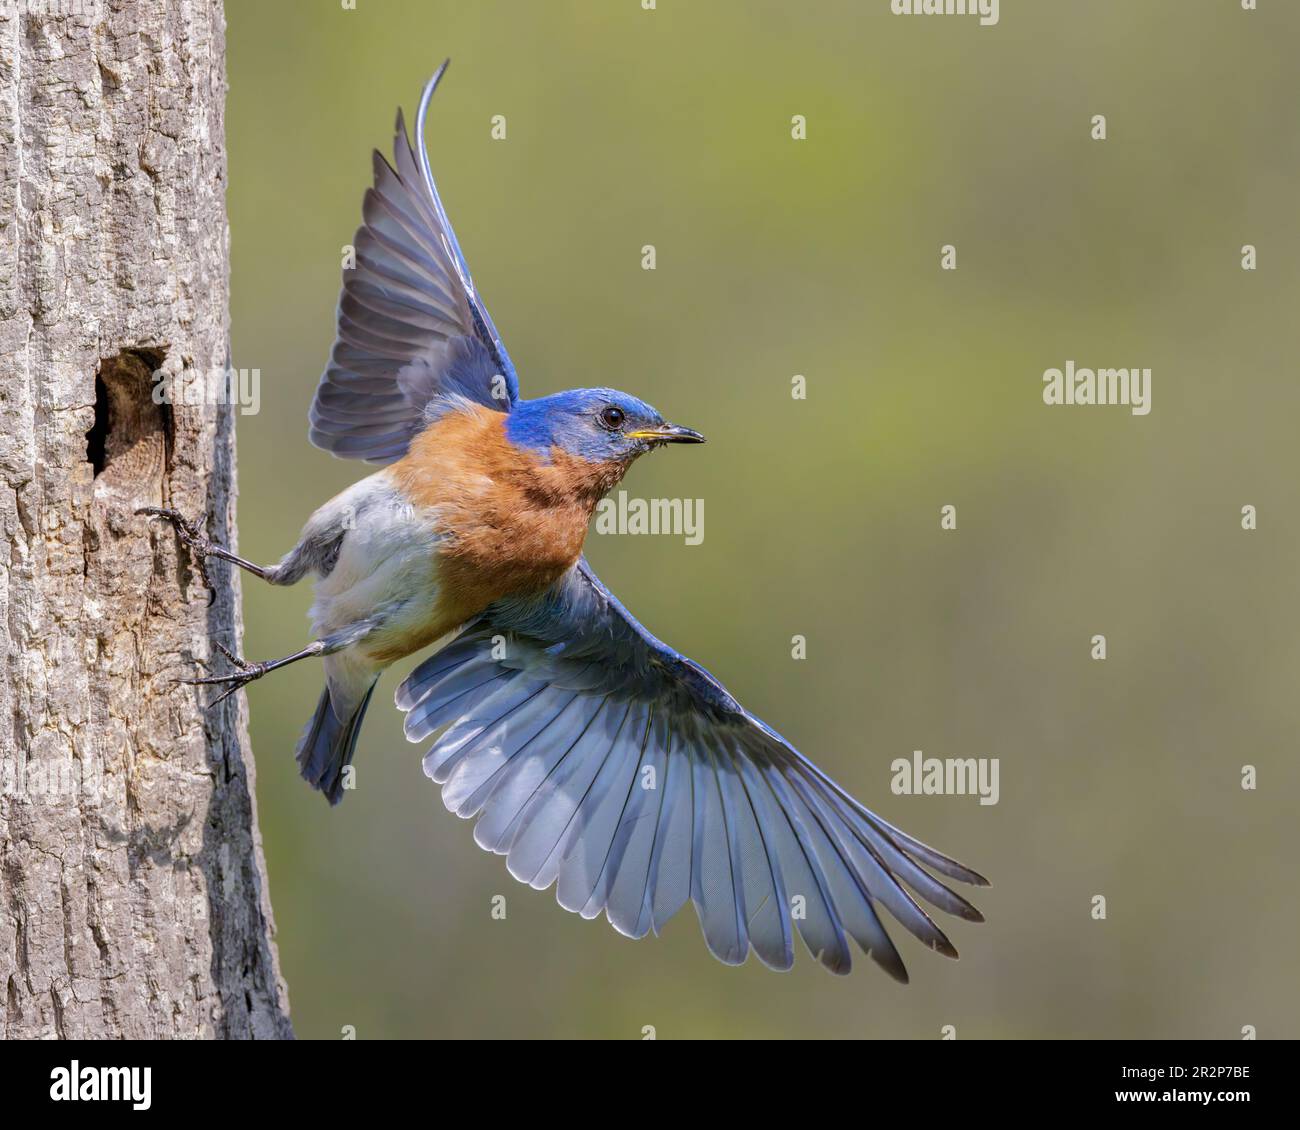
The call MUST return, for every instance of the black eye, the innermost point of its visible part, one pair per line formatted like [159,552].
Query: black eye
[612,418]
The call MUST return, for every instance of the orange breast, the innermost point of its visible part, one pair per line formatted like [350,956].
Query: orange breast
[514,522]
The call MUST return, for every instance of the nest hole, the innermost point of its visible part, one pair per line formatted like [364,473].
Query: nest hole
[129,442]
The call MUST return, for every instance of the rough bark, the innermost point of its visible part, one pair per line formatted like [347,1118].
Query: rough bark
[133,896]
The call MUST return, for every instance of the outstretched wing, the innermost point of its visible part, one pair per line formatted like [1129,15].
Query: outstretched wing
[411,327]
[597,758]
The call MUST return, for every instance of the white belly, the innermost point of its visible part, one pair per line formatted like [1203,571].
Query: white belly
[386,566]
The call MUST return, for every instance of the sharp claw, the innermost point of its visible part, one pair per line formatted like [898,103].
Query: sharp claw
[229,654]
[211,680]
[224,695]
[191,538]
[183,525]
[245,674]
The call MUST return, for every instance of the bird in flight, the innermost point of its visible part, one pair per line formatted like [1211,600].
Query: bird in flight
[594,756]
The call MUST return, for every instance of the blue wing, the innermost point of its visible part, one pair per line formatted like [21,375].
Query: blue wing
[597,758]
[411,327]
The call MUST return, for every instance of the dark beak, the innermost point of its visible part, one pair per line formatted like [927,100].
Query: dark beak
[668,433]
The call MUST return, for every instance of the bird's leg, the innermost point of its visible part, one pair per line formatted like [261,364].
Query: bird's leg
[247,672]
[192,537]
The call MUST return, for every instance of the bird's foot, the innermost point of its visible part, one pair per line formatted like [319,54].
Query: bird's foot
[236,679]
[192,538]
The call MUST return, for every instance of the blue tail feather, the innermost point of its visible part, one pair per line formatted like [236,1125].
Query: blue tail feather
[327,745]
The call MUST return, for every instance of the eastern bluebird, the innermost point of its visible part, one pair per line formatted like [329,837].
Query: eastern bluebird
[594,756]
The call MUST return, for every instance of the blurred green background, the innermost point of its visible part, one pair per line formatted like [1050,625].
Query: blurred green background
[671,127]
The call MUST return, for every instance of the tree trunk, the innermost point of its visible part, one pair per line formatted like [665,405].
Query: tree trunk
[133,896]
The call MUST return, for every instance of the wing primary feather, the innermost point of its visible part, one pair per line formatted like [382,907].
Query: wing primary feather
[450,698]
[535,835]
[515,784]
[465,747]
[587,841]
[507,826]
[419,684]
[748,903]
[672,860]
[713,889]
[627,898]
[936,859]
[851,895]
[820,926]
[894,860]
[873,878]
[588,766]
[624,828]
[768,923]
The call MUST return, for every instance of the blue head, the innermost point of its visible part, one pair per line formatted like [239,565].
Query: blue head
[600,425]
